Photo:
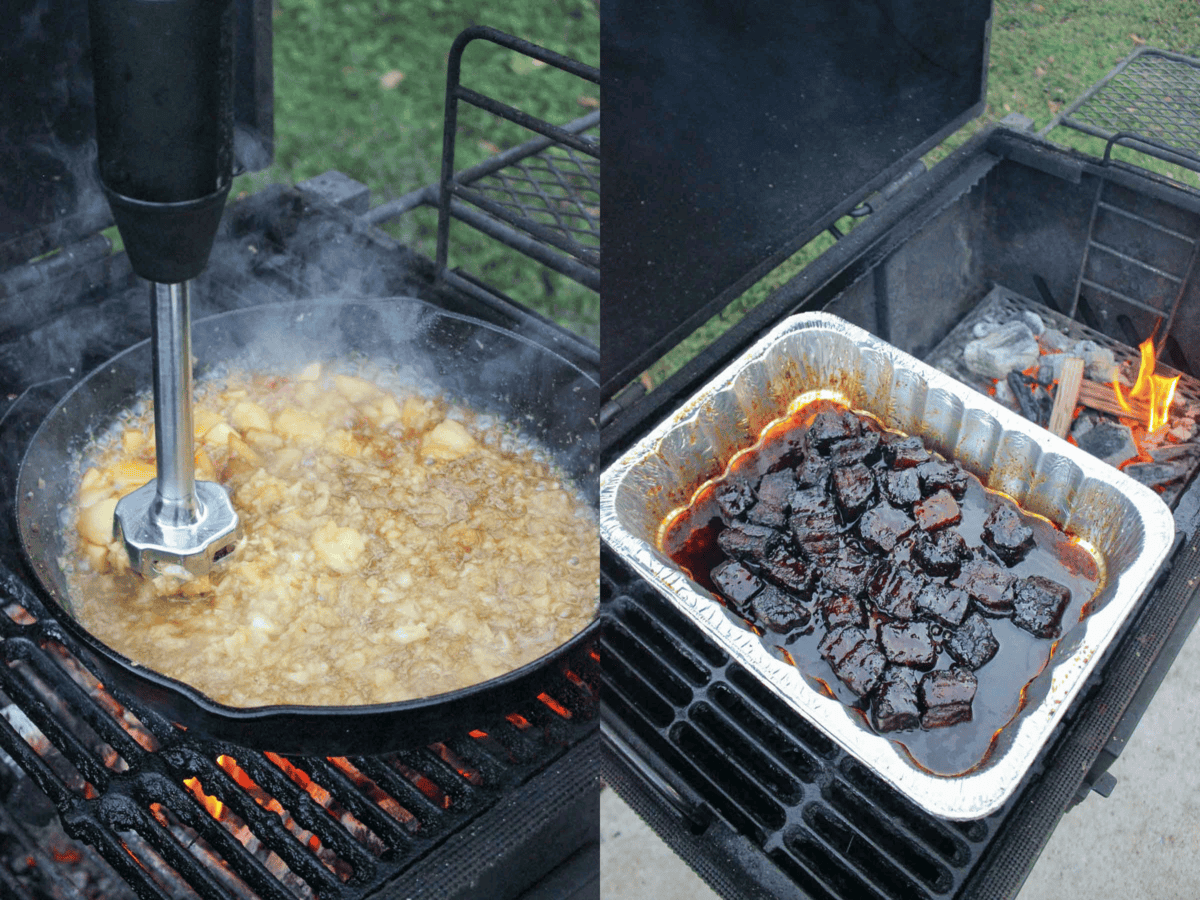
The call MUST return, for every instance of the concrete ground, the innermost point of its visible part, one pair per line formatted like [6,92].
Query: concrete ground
[1141,843]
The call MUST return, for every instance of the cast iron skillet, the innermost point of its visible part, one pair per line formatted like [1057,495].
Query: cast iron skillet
[490,369]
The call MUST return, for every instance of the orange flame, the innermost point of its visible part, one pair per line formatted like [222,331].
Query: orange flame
[1157,390]
[212,804]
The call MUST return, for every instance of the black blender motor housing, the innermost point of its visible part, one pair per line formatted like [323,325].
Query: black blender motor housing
[163,75]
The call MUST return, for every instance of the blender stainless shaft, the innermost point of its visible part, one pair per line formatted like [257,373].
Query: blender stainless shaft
[174,520]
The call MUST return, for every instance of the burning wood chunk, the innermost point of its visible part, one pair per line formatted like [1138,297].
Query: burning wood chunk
[733,499]
[908,644]
[973,643]
[839,610]
[862,449]
[946,696]
[778,611]
[786,568]
[906,453]
[735,582]
[882,526]
[988,585]
[1038,605]
[941,553]
[895,707]
[894,590]
[853,488]
[946,604]
[939,475]
[937,511]
[745,540]
[831,426]
[1007,535]
[902,488]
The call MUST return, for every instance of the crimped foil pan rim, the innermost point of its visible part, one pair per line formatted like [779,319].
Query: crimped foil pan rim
[986,788]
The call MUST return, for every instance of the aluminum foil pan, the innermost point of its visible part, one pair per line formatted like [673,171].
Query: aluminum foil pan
[1126,523]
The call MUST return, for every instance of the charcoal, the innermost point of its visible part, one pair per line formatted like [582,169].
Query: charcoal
[1038,605]
[813,471]
[972,643]
[894,590]
[883,525]
[764,513]
[781,613]
[990,586]
[733,499]
[788,569]
[838,642]
[908,644]
[848,572]
[735,582]
[905,453]
[946,604]
[895,707]
[941,553]
[946,696]
[939,475]
[748,541]
[862,449]
[831,426]
[901,488]
[937,511]
[777,488]
[841,609]
[1007,535]
[862,668]
[853,488]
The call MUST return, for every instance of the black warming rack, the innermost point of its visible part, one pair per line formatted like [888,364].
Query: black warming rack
[102,796]
[744,135]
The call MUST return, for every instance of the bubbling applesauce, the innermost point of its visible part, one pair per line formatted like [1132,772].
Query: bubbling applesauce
[395,546]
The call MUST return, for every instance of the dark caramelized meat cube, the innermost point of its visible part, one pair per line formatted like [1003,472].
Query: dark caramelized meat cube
[831,426]
[908,644]
[837,643]
[748,541]
[941,553]
[1038,605]
[764,513]
[973,643]
[774,609]
[939,475]
[905,453]
[853,488]
[901,488]
[787,568]
[813,471]
[841,609]
[946,697]
[882,526]
[848,572]
[988,585]
[814,518]
[1007,535]
[733,499]
[895,707]
[894,590]
[946,604]
[862,449]
[937,511]
[810,501]
[735,582]
[777,489]
[862,668]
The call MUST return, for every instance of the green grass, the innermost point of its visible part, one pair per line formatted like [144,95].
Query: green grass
[360,87]
[1042,56]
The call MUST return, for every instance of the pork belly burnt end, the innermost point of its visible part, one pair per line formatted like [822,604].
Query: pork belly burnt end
[989,586]
[946,696]
[895,707]
[973,643]
[1039,604]
[778,611]
[1009,537]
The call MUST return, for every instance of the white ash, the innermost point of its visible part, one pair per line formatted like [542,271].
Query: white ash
[984,327]
[1055,341]
[1012,346]
[1034,321]
[1004,394]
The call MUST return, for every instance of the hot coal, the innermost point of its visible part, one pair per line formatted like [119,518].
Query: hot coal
[1007,535]
[1038,605]
[973,643]
[895,707]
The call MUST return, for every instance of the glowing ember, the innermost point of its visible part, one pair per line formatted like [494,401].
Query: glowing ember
[212,804]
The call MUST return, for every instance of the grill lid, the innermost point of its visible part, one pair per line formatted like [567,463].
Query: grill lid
[51,194]
[738,133]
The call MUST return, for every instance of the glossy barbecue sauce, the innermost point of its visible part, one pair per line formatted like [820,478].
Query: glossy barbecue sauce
[690,539]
